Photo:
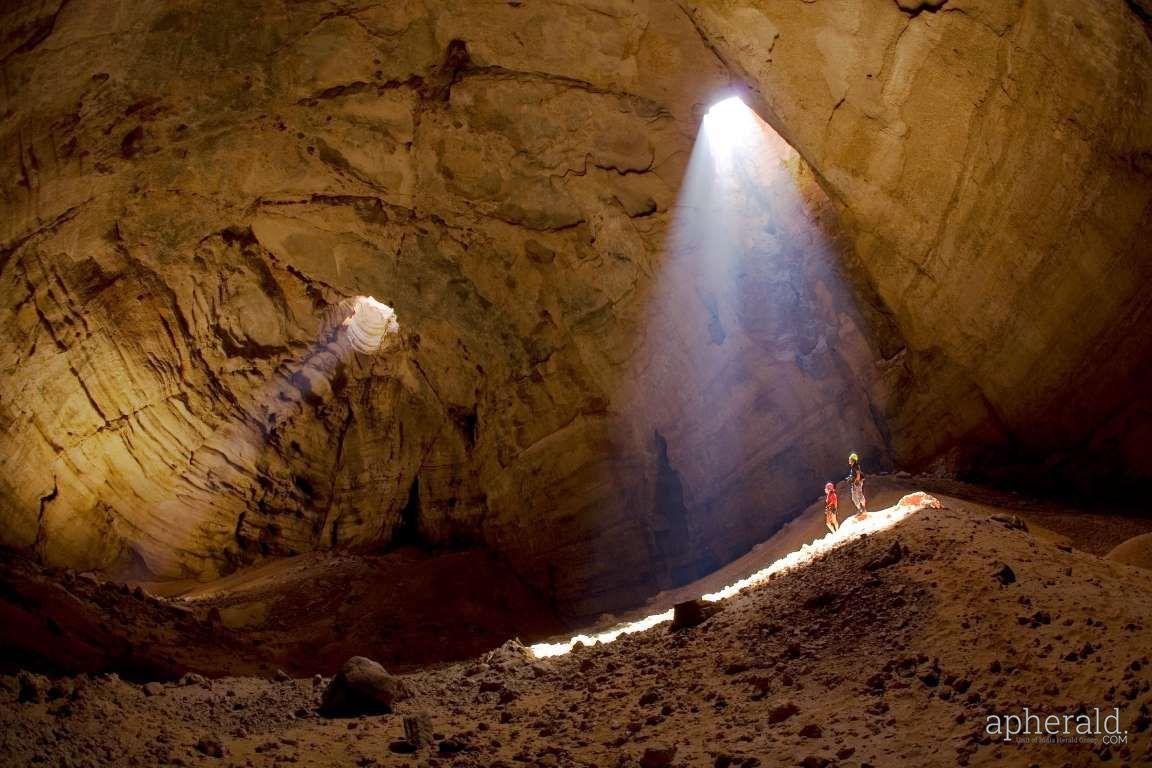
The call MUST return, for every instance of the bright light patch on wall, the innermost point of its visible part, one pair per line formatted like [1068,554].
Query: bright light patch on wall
[730,125]
[369,325]
[851,529]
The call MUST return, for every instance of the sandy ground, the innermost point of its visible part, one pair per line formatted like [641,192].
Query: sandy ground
[841,662]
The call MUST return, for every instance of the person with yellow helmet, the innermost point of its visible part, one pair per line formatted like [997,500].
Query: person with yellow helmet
[856,482]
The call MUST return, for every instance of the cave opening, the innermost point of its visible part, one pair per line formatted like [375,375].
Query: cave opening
[370,324]
[730,125]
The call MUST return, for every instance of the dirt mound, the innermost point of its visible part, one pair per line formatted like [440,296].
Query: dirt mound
[860,657]
[1135,551]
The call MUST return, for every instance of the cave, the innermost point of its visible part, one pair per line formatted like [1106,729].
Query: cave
[445,383]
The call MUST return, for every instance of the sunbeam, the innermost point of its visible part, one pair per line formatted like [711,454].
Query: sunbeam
[749,331]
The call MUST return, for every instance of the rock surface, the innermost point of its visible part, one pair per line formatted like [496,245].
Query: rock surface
[1002,202]
[362,687]
[193,198]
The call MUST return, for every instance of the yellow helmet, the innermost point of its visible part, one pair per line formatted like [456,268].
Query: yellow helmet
[852,458]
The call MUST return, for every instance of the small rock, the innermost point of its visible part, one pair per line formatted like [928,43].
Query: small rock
[450,746]
[689,613]
[1004,574]
[191,678]
[402,747]
[782,712]
[211,747]
[811,731]
[153,689]
[418,729]
[890,556]
[511,654]
[657,757]
[282,676]
[1011,521]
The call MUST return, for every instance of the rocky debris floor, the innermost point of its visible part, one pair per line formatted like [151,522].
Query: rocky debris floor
[890,651]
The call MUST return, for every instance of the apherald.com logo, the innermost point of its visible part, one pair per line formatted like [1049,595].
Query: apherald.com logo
[1090,726]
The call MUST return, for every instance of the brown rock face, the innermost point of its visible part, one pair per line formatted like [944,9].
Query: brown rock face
[994,158]
[592,378]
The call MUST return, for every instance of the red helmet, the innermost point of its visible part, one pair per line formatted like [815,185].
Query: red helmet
[828,488]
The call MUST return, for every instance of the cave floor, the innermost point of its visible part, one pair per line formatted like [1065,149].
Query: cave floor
[840,662]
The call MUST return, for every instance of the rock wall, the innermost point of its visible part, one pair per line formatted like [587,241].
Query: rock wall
[995,159]
[193,194]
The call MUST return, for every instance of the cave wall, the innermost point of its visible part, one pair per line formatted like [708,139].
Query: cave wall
[995,159]
[192,192]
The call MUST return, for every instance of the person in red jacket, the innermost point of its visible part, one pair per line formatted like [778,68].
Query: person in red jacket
[830,504]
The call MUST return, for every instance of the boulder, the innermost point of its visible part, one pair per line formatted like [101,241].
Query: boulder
[362,687]
[687,614]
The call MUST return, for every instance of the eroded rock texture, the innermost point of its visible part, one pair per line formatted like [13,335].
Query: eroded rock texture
[194,193]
